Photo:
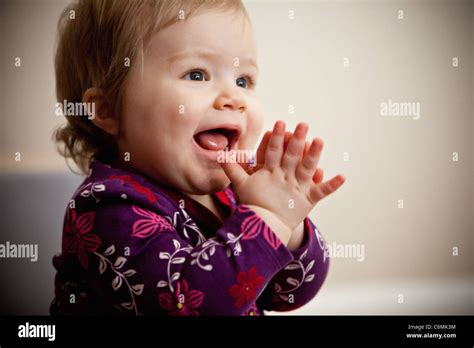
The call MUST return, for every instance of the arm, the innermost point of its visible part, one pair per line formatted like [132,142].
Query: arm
[299,282]
[289,175]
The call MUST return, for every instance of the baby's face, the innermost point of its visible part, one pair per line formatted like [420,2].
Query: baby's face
[192,97]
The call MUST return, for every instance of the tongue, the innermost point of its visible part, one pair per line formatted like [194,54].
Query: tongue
[210,140]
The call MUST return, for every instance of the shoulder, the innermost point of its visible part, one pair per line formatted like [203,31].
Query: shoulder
[109,186]
[115,204]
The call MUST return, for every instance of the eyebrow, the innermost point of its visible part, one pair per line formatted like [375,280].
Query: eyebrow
[207,54]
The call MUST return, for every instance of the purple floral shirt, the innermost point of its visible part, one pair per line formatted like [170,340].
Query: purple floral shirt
[133,247]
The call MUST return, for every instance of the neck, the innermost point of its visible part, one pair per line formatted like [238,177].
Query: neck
[208,202]
[205,200]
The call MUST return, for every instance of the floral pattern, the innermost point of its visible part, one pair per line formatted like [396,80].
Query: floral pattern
[91,189]
[252,226]
[252,311]
[154,258]
[79,237]
[246,288]
[127,179]
[173,259]
[295,265]
[183,301]
[152,223]
[121,278]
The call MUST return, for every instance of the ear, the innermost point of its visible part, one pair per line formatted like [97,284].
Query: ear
[103,114]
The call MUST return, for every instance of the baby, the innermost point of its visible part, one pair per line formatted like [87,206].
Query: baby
[160,226]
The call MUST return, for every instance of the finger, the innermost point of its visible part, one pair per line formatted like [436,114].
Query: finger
[306,148]
[322,190]
[275,146]
[262,148]
[306,167]
[295,149]
[287,140]
[235,173]
[260,155]
[318,176]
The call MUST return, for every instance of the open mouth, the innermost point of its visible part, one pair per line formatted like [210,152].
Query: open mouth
[217,139]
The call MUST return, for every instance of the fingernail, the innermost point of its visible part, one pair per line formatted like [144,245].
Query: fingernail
[301,129]
[279,128]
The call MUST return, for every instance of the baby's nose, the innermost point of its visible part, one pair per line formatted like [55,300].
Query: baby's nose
[231,99]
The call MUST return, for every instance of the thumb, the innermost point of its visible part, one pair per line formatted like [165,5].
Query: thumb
[234,172]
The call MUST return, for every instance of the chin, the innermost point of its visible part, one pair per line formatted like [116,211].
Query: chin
[212,184]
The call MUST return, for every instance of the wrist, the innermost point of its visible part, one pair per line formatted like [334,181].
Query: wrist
[297,237]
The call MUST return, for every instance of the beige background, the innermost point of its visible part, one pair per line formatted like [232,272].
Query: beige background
[407,251]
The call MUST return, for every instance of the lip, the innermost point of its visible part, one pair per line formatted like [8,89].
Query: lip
[228,126]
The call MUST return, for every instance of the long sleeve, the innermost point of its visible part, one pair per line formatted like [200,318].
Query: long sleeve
[129,248]
[138,262]
[299,282]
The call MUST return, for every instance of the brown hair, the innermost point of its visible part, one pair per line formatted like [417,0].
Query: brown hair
[95,38]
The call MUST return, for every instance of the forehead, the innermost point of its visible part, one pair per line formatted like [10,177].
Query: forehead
[223,33]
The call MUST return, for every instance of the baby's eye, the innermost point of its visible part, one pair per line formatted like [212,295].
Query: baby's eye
[241,82]
[245,82]
[195,75]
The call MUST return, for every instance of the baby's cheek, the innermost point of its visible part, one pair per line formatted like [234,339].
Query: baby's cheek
[183,106]
[254,125]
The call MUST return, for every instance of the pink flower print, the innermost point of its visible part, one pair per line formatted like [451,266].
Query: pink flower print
[183,301]
[144,228]
[253,225]
[78,236]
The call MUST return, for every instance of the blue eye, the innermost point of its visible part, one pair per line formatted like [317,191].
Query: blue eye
[241,82]
[195,75]
[246,81]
